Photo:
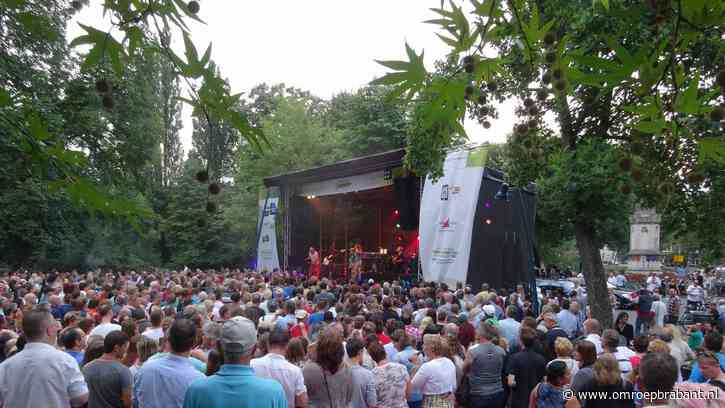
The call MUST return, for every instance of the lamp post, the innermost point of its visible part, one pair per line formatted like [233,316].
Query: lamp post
[504,194]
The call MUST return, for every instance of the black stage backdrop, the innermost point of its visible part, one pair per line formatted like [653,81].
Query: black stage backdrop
[503,240]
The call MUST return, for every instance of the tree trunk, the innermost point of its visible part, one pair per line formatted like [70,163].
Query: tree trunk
[596,278]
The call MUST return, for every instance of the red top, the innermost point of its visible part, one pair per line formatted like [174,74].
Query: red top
[296,331]
[383,339]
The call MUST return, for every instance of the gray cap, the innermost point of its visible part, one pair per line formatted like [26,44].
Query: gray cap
[238,335]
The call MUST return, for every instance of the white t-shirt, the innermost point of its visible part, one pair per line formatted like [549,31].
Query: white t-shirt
[435,377]
[103,329]
[153,334]
[276,367]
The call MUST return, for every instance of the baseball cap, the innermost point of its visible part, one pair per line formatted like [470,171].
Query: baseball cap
[489,310]
[301,314]
[238,335]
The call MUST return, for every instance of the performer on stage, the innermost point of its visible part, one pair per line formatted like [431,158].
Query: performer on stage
[356,263]
[399,261]
[314,258]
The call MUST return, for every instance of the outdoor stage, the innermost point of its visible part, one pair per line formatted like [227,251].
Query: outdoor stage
[368,201]
[469,231]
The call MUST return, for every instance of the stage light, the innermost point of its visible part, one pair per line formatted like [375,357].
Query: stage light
[503,192]
[397,225]
[487,204]
[309,197]
[396,212]
[312,197]
[488,221]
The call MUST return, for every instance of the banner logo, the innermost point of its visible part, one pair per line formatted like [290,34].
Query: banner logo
[444,192]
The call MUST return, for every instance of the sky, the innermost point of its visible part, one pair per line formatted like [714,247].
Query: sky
[324,46]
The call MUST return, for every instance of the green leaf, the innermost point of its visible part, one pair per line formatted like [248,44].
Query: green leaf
[449,41]
[206,57]
[135,39]
[687,102]
[37,127]
[712,148]
[392,78]
[191,54]
[5,98]
[12,4]
[650,126]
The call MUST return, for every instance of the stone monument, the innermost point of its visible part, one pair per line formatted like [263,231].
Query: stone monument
[644,241]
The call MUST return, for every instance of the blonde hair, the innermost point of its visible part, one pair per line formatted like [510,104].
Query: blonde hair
[675,331]
[563,347]
[436,344]
[658,346]
[606,370]
[146,348]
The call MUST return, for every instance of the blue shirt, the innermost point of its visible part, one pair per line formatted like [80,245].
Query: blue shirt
[196,363]
[235,385]
[696,375]
[78,355]
[390,351]
[569,322]
[510,331]
[317,317]
[163,382]
[403,357]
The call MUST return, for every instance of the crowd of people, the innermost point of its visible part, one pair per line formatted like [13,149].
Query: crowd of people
[230,338]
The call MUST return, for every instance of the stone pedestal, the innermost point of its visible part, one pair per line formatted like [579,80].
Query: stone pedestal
[644,241]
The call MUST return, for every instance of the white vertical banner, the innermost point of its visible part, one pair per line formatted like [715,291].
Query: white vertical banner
[267,256]
[447,211]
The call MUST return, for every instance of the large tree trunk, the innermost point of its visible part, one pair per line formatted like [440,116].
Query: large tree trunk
[596,278]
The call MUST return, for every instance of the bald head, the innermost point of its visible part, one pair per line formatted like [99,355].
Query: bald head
[592,326]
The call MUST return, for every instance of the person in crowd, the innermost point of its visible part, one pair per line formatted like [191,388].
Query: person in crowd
[679,348]
[435,378]
[593,332]
[645,315]
[296,352]
[146,347]
[155,332]
[610,344]
[40,375]
[606,384]
[586,355]
[328,381]
[673,307]
[94,349]
[363,380]
[106,326]
[553,332]
[711,370]
[695,294]
[713,343]
[214,363]
[524,369]
[74,342]
[550,394]
[621,324]
[696,336]
[509,327]
[564,349]
[109,381]
[235,383]
[653,282]
[660,310]
[484,366]
[392,381]
[568,320]
[406,355]
[163,381]
[657,377]
[275,366]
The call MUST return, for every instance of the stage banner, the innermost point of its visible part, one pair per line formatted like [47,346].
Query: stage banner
[267,255]
[447,212]
[358,182]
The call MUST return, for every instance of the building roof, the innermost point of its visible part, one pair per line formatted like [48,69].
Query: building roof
[360,165]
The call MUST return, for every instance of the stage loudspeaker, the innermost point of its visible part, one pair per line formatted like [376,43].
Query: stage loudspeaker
[406,201]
